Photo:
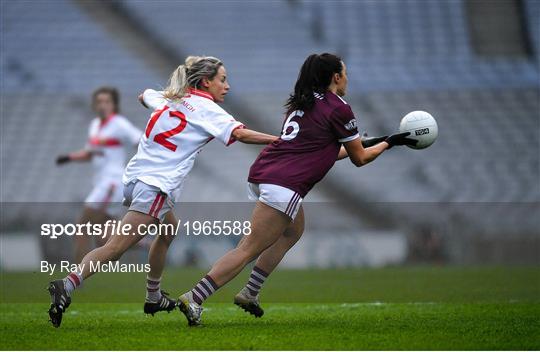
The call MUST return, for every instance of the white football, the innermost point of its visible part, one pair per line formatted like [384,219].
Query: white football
[422,126]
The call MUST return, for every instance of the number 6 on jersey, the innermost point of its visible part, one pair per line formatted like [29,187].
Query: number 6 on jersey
[291,128]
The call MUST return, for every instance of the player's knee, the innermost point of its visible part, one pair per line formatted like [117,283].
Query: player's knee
[245,254]
[293,234]
[166,239]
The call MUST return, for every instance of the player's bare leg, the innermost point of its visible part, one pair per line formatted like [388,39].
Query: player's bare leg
[157,300]
[267,225]
[248,297]
[271,257]
[118,244]
[60,290]
[83,242]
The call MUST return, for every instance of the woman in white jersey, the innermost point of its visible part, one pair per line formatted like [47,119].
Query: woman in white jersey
[109,135]
[185,118]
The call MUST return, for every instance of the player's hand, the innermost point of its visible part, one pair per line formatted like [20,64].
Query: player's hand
[371,141]
[400,139]
[97,152]
[62,159]
[141,100]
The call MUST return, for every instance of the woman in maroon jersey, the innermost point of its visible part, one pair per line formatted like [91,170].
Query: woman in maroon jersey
[320,128]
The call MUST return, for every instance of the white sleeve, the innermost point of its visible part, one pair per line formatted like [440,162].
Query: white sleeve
[153,99]
[130,134]
[91,126]
[221,125]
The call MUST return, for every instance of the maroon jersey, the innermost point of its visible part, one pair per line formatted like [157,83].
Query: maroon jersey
[308,147]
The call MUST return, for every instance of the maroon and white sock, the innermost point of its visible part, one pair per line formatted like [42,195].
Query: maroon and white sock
[256,280]
[153,293]
[204,289]
[72,281]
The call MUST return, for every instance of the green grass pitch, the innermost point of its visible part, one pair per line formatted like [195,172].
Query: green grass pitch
[392,308]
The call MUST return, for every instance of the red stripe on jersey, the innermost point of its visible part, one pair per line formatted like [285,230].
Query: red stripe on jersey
[153,120]
[107,142]
[201,93]
[106,120]
[231,138]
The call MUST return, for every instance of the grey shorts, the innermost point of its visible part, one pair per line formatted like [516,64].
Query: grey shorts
[147,199]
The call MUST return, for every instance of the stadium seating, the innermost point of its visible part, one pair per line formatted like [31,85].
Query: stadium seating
[426,49]
[59,83]
[401,56]
[52,47]
[532,10]
[414,44]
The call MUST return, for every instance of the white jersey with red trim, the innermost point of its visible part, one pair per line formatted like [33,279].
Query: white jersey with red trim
[109,139]
[176,132]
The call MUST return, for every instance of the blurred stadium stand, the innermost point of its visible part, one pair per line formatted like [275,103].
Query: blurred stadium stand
[479,180]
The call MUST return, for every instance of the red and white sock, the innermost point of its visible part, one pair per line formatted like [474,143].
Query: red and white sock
[204,289]
[72,281]
[256,280]
[153,293]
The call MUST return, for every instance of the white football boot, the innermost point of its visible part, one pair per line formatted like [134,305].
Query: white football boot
[249,303]
[191,309]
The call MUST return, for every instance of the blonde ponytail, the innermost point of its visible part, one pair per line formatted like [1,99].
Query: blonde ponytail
[190,74]
[176,88]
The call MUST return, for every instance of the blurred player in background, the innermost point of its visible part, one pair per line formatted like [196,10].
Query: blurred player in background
[186,117]
[109,135]
[320,128]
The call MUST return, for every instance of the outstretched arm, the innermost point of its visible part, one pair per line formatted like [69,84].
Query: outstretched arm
[366,143]
[141,100]
[361,156]
[151,99]
[248,136]
[79,155]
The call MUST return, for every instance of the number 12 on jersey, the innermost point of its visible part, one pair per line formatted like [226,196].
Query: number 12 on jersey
[162,138]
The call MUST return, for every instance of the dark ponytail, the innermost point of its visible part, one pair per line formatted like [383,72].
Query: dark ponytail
[315,76]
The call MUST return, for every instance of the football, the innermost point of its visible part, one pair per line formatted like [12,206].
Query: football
[422,126]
